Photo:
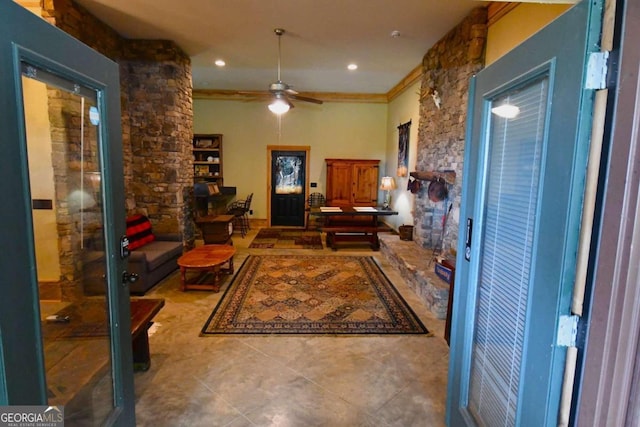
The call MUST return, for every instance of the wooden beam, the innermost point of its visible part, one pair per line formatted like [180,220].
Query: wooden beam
[497,10]
[448,176]
[28,4]
[261,96]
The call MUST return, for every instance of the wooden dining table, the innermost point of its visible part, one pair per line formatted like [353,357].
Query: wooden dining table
[352,224]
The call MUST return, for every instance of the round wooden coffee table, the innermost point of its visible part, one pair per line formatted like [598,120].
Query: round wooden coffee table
[205,259]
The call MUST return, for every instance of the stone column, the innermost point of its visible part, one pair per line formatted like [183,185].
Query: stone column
[447,69]
[158,80]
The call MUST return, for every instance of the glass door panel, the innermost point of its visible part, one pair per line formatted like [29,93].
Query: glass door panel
[513,174]
[288,183]
[62,129]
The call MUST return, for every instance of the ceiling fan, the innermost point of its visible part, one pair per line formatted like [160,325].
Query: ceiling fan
[282,92]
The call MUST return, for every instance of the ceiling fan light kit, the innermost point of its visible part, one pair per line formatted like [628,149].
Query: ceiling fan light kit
[282,92]
[278,105]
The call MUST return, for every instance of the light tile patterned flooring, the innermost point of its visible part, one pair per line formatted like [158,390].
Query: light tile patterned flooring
[396,380]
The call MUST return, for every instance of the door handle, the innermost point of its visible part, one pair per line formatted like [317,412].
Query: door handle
[467,243]
[129,277]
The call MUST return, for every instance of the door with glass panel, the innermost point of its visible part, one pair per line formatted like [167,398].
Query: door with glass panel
[66,338]
[288,188]
[525,161]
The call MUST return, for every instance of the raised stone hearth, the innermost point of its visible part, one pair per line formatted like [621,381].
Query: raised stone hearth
[412,261]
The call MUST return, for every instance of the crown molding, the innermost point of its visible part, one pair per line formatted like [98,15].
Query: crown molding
[262,95]
[248,96]
[413,76]
[496,10]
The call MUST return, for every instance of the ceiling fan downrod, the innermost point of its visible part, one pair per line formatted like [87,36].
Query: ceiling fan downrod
[279,32]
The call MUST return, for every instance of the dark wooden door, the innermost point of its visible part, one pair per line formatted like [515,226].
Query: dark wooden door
[288,184]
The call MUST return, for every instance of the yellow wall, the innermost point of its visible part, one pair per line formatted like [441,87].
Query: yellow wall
[332,130]
[337,130]
[403,108]
[518,25]
[41,179]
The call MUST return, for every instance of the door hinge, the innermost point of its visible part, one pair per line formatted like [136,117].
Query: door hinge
[597,68]
[567,331]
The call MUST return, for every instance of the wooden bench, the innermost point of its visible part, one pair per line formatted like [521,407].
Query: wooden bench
[76,363]
[354,232]
[143,311]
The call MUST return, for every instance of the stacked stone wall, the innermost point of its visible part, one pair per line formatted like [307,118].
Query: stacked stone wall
[157,113]
[157,122]
[75,165]
[161,129]
[447,69]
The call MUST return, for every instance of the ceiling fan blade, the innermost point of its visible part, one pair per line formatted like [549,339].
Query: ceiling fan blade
[286,98]
[305,98]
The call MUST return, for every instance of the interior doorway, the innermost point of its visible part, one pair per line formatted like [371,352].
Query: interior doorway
[287,185]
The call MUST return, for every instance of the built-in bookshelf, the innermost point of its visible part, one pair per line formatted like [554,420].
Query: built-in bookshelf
[207,158]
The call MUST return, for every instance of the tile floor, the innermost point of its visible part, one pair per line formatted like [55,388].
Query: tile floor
[395,380]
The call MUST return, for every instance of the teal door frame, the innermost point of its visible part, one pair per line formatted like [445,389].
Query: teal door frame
[560,194]
[26,38]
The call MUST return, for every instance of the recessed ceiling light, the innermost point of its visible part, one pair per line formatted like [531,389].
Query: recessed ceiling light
[395,34]
[220,63]
[352,67]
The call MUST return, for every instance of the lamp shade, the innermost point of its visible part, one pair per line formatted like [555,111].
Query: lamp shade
[279,105]
[388,183]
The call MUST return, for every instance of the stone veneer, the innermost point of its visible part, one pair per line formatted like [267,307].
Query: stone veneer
[415,268]
[447,68]
[74,164]
[157,127]
[157,113]
[160,107]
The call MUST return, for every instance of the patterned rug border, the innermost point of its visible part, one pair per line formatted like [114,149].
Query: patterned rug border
[267,238]
[224,302]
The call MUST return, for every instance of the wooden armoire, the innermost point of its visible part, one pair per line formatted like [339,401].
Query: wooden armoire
[352,182]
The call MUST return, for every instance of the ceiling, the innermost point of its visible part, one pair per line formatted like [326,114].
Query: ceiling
[322,37]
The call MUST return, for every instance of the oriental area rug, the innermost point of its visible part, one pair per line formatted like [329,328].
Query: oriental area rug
[309,294]
[285,238]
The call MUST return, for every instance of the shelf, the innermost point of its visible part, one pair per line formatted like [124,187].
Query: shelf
[207,146]
[448,176]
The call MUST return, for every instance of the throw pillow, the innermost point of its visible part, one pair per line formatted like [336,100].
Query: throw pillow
[139,231]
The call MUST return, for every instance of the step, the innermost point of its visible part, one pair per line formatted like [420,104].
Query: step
[415,265]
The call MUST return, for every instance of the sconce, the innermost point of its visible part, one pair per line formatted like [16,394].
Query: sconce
[387,184]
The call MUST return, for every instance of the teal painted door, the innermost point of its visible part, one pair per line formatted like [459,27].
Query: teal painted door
[525,159]
[65,335]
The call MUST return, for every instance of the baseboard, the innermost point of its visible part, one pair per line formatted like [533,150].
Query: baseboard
[255,223]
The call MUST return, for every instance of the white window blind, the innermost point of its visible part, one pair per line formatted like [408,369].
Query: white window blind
[513,173]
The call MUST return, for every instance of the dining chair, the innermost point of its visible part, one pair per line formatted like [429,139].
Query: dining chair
[240,211]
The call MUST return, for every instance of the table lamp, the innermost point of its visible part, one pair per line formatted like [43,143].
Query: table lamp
[387,184]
